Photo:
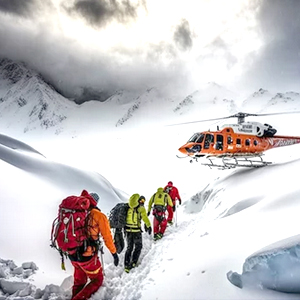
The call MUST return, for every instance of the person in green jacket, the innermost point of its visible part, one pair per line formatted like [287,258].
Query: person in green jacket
[135,214]
[160,200]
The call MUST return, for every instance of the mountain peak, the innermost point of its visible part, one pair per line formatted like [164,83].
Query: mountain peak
[26,100]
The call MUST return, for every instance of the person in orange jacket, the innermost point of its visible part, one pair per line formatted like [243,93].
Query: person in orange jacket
[86,262]
[174,194]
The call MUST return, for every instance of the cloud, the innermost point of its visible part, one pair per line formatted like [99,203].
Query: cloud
[218,48]
[277,65]
[24,9]
[183,36]
[85,46]
[17,7]
[98,13]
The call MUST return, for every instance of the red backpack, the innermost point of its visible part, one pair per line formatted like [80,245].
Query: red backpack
[70,228]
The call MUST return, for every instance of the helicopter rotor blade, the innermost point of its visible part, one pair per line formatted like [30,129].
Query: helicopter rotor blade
[199,121]
[237,115]
[279,113]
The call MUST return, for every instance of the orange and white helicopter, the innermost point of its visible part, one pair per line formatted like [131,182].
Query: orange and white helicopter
[237,145]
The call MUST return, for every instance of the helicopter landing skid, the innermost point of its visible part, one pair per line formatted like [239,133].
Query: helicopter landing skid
[230,162]
[182,156]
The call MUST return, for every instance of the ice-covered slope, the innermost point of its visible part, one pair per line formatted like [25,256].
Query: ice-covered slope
[210,101]
[264,101]
[27,102]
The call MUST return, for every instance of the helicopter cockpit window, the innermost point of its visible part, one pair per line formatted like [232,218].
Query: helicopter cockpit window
[195,138]
[209,138]
[200,138]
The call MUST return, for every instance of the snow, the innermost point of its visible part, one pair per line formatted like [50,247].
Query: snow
[236,234]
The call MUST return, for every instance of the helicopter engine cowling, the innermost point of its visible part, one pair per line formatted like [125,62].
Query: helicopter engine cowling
[254,128]
[269,130]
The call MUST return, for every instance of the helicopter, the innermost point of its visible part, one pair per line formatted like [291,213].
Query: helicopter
[235,145]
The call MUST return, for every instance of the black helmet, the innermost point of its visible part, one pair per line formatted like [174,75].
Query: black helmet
[142,200]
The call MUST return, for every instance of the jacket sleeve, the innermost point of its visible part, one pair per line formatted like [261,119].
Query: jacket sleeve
[177,195]
[150,204]
[101,222]
[169,200]
[144,216]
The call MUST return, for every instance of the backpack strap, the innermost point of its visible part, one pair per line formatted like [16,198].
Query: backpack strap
[154,197]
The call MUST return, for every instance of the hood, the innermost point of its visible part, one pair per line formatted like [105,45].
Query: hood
[85,194]
[160,190]
[134,200]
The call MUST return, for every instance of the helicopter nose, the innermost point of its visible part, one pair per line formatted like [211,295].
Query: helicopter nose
[182,149]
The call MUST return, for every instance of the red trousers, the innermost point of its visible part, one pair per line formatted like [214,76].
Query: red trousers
[83,271]
[159,227]
[170,212]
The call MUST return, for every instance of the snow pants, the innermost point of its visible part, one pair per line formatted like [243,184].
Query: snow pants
[159,227]
[170,212]
[83,271]
[134,248]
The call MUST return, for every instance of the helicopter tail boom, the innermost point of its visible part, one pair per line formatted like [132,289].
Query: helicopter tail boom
[281,141]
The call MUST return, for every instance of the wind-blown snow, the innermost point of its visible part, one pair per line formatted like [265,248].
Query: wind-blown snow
[236,235]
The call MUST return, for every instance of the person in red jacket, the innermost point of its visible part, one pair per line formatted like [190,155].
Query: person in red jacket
[88,273]
[174,194]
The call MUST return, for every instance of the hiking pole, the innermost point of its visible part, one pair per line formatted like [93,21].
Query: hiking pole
[176,207]
[101,256]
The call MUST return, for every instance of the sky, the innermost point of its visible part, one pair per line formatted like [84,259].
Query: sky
[240,224]
[84,47]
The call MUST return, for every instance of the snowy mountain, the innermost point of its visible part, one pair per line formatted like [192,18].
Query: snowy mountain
[205,101]
[27,102]
[264,101]
[235,235]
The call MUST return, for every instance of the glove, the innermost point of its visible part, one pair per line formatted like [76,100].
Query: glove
[148,229]
[116,258]
[179,201]
[148,213]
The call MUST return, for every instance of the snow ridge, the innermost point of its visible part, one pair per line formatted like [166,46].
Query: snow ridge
[25,95]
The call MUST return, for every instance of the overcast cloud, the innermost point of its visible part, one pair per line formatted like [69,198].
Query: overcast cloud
[135,44]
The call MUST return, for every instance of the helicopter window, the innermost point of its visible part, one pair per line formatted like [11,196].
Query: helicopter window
[193,138]
[209,138]
[255,142]
[196,138]
[219,143]
[238,141]
[229,140]
[200,138]
[247,142]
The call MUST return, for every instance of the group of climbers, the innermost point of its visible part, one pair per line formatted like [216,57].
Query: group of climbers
[162,202]
[88,269]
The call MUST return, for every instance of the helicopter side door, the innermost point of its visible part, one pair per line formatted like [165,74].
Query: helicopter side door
[208,141]
[219,142]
